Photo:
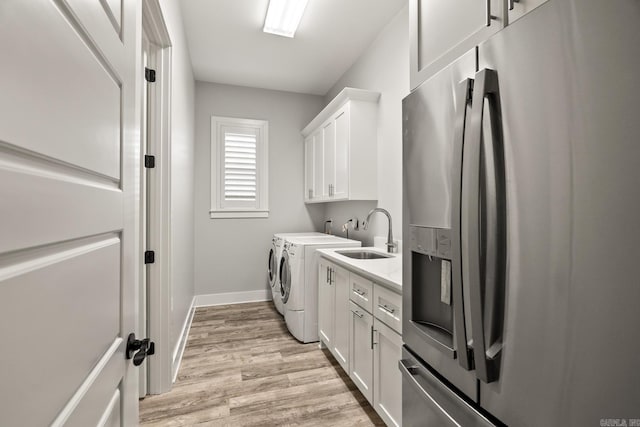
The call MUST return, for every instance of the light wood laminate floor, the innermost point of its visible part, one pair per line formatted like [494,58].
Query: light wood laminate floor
[242,368]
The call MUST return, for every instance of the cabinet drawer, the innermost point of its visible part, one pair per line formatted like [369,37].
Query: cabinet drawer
[387,307]
[361,292]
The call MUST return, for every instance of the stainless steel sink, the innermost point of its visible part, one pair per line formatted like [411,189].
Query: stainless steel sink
[363,254]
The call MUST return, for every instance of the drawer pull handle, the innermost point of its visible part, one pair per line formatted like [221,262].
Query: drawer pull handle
[357,313]
[359,292]
[385,307]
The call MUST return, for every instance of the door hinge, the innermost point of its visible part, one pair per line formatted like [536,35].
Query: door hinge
[149,257]
[149,161]
[141,348]
[149,75]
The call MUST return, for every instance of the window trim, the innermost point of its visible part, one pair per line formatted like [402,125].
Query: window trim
[217,209]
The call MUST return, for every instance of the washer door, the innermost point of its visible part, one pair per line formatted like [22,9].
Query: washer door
[285,277]
[273,268]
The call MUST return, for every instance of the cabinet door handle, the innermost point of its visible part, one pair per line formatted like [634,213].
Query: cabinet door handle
[328,276]
[332,276]
[512,3]
[490,17]
[358,292]
[372,342]
[386,308]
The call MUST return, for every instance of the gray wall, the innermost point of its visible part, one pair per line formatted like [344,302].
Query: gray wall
[231,254]
[383,67]
[182,155]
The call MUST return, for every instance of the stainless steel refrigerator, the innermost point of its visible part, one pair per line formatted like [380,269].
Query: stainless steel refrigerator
[521,192]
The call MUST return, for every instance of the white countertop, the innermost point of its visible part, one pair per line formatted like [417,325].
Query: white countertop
[384,271]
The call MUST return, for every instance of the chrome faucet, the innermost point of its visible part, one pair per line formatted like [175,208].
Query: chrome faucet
[327,222]
[392,247]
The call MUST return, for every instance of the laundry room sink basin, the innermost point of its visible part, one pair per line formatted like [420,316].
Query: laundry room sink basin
[363,254]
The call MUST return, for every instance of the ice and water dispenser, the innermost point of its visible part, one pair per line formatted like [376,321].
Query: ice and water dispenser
[431,275]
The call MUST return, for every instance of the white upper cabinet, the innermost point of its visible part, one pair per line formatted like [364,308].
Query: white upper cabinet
[440,31]
[308,167]
[341,149]
[518,8]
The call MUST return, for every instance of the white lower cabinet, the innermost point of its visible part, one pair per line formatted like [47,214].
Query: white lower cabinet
[333,310]
[361,350]
[360,323]
[387,380]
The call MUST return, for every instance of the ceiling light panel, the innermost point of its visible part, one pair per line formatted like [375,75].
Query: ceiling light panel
[283,17]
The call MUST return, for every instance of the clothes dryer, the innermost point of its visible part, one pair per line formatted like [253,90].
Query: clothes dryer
[275,254]
[299,282]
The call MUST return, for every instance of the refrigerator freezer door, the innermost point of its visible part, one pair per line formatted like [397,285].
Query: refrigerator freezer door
[427,401]
[568,82]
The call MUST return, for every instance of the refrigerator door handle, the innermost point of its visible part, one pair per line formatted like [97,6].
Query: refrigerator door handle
[494,203]
[463,101]
[483,226]
[440,396]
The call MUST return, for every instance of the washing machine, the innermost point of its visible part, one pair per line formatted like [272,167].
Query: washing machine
[275,254]
[299,282]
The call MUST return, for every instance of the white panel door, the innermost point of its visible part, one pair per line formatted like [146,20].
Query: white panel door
[387,379]
[326,308]
[318,166]
[329,137]
[69,242]
[308,169]
[341,316]
[361,350]
[341,180]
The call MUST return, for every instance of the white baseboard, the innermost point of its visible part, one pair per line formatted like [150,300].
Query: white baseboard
[184,335]
[232,298]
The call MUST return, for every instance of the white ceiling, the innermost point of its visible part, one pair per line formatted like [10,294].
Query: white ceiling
[227,44]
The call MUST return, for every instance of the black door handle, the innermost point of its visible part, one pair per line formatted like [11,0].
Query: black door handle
[141,348]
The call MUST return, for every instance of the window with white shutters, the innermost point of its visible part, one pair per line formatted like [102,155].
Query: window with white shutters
[239,154]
